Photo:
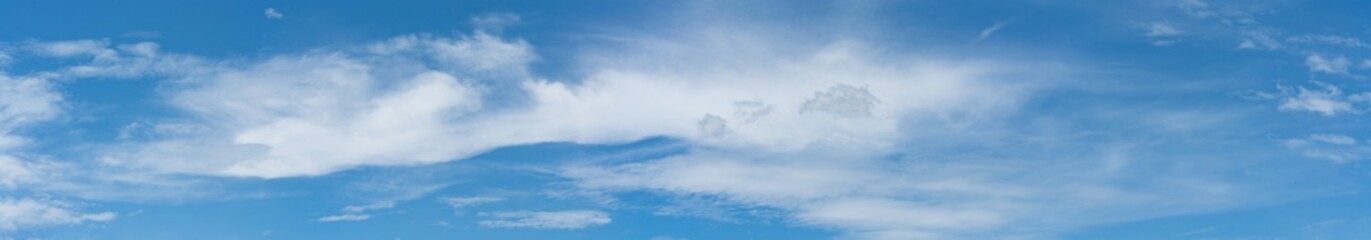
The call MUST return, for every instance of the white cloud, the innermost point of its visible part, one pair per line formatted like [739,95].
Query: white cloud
[1329,39]
[99,49]
[316,113]
[813,130]
[369,207]
[829,149]
[25,213]
[312,122]
[1162,33]
[572,219]
[26,100]
[23,101]
[495,21]
[355,213]
[1163,43]
[1195,8]
[1333,139]
[344,218]
[1161,29]
[1332,147]
[272,13]
[930,198]
[142,49]
[1329,102]
[142,35]
[1330,65]
[463,202]
[987,32]
[1258,40]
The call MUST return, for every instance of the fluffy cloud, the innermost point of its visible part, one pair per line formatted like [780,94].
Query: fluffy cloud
[313,114]
[24,213]
[573,219]
[885,146]
[814,130]
[835,134]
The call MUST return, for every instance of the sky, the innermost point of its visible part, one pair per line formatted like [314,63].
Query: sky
[669,120]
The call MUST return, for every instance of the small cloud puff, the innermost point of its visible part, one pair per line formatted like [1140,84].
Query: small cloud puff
[272,13]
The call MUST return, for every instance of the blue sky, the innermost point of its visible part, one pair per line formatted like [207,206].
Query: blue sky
[1169,119]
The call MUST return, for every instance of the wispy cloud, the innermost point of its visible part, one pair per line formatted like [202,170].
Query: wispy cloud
[459,203]
[1161,29]
[1335,40]
[987,32]
[1327,64]
[25,213]
[573,219]
[1332,147]
[344,218]
[1328,101]
[369,207]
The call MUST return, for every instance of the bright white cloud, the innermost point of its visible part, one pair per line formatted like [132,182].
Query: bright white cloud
[572,219]
[812,130]
[290,121]
[24,213]
[801,129]
[820,143]
[318,113]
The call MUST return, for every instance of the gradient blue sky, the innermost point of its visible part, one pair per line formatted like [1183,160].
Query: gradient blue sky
[657,120]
